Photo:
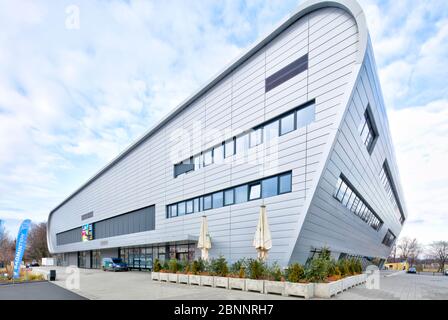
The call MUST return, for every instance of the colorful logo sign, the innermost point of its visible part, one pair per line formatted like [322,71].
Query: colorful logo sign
[21,246]
[87,232]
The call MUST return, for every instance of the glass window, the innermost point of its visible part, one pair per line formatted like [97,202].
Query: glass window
[305,116]
[229,148]
[271,130]
[173,210]
[269,187]
[287,124]
[208,157]
[242,144]
[218,199]
[181,208]
[256,137]
[218,154]
[190,206]
[228,197]
[196,205]
[255,191]
[241,194]
[197,160]
[207,200]
[285,183]
[368,131]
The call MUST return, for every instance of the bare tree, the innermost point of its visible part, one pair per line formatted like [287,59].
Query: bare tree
[409,249]
[438,250]
[393,254]
[7,246]
[37,242]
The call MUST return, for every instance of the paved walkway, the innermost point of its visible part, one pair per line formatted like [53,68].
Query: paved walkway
[135,285]
[36,291]
[97,284]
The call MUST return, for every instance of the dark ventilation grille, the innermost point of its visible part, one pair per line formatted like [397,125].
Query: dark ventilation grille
[132,222]
[87,216]
[288,72]
[70,236]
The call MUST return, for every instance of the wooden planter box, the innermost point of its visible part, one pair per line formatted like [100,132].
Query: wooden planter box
[182,278]
[237,283]
[194,279]
[327,290]
[206,281]
[172,277]
[304,290]
[255,285]
[221,282]
[163,276]
[276,287]
[155,275]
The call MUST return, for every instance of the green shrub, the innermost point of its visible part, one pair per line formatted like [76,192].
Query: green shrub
[236,267]
[325,254]
[219,267]
[198,266]
[165,266]
[274,272]
[318,269]
[333,269]
[256,268]
[295,272]
[157,266]
[173,265]
[344,267]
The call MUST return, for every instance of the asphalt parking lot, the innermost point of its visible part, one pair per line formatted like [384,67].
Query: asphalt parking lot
[97,284]
[36,291]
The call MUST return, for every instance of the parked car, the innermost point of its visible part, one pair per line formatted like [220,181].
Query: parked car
[34,263]
[446,272]
[412,270]
[114,264]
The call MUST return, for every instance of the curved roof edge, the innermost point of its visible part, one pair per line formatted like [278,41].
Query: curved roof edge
[351,6]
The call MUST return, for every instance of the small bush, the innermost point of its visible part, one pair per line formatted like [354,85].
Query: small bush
[198,266]
[344,268]
[318,269]
[157,266]
[242,272]
[256,268]
[173,265]
[295,272]
[275,272]
[237,265]
[219,267]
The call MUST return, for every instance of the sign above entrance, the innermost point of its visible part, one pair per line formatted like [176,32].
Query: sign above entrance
[87,232]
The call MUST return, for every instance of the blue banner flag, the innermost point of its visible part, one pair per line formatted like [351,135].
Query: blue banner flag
[20,246]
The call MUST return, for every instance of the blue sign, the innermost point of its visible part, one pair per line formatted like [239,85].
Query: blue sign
[20,246]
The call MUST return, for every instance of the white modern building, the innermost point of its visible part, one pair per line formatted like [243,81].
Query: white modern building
[297,123]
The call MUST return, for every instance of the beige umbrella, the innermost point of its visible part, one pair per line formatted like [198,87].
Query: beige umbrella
[204,242]
[263,239]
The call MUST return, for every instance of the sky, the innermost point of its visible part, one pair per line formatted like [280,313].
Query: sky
[81,80]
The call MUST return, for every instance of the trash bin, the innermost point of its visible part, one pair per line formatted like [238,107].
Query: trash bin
[52,275]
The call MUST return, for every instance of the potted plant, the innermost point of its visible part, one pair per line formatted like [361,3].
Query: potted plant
[220,271]
[155,274]
[296,285]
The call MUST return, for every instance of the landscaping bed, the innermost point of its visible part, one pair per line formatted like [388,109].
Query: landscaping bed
[321,278]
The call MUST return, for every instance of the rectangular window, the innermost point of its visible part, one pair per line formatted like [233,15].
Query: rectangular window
[197,160]
[285,183]
[218,200]
[353,201]
[196,205]
[173,210]
[389,187]
[290,71]
[271,130]
[242,144]
[218,154]
[181,208]
[306,116]
[256,137]
[241,194]
[269,187]
[207,202]
[368,131]
[229,148]
[255,191]
[389,238]
[287,124]
[190,207]
[208,157]
[229,197]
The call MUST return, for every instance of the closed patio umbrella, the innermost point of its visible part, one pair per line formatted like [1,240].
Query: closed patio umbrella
[263,239]
[204,242]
